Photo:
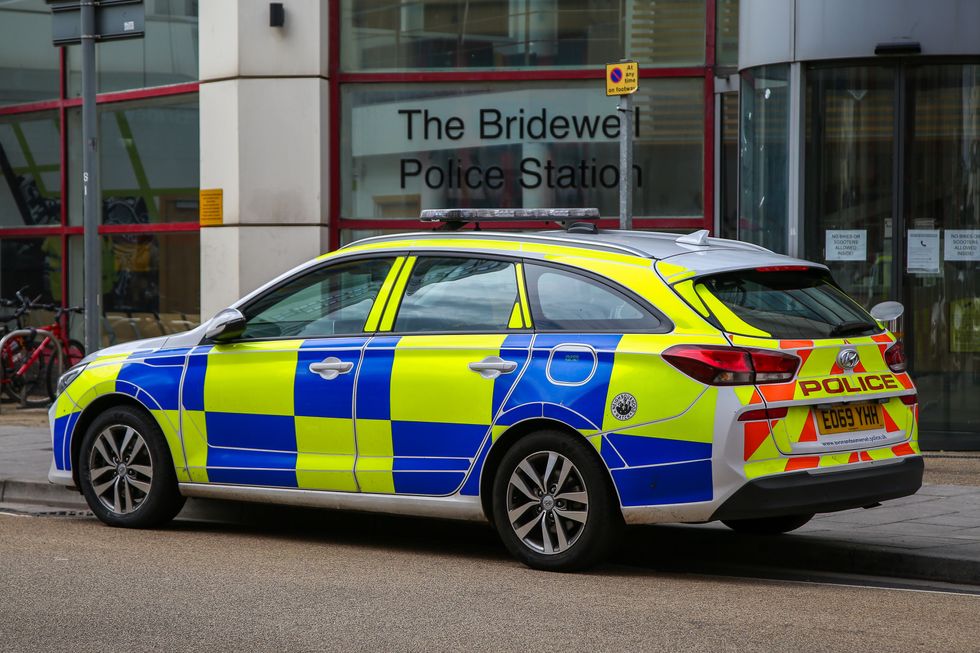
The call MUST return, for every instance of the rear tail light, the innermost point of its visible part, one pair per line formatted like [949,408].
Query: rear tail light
[895,357]
[909,400]
[714,365]
[763,414]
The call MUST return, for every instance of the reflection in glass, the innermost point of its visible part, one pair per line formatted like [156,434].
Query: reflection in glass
[849,157]
[517,145]
[764,156]
[168,54]
[29,65]
[728,166]
[726,30]
[31,264]
[150,161]
[441,34]
[30,180]
[942,188]
[151,283]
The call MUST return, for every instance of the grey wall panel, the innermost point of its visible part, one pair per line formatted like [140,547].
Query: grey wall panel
[774,31]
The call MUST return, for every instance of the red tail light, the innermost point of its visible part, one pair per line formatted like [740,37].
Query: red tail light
[909,400]
[763,414]
[715,365]
[895,357]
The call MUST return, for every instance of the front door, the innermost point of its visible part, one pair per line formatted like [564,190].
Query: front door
[274,408]
[453,340]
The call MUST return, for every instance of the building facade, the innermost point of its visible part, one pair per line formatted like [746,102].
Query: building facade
[769,120]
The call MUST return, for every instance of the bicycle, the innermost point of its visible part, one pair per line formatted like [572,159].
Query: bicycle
[31,370]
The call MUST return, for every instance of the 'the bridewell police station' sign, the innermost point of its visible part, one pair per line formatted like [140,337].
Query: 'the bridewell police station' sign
[489,143]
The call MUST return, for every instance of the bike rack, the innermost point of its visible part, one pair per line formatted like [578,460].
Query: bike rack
[31,333]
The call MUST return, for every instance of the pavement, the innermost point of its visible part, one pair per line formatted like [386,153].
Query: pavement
[933,535]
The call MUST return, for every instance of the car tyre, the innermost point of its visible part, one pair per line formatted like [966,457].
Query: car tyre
[555,479]
[767,525]
[126,472]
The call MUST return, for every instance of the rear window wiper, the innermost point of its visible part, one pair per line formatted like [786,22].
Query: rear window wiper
[850,328]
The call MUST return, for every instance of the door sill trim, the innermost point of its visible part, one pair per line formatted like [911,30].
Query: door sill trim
[451,507]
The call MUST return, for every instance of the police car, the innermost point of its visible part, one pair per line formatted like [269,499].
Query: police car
[559,384]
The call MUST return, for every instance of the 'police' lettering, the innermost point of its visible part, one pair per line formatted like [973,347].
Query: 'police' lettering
[848,385]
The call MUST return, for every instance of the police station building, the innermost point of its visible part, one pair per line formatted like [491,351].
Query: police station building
[233,147]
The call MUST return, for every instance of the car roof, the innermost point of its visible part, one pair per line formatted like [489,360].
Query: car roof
[695,252]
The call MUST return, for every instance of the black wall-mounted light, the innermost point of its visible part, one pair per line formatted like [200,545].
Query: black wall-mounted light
[898,48]
[277,14]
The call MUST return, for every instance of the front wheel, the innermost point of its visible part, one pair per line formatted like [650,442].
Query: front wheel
[767,525]
[553,505]
[126,472]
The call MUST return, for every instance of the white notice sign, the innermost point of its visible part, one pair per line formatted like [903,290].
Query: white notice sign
[847,245]
[923,252]
[962,245]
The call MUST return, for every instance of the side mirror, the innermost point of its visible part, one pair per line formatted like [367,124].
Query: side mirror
[887,311]
[226,325]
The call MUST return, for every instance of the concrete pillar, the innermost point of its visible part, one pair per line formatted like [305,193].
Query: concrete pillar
[264,142]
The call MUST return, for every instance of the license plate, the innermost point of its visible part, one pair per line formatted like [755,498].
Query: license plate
[846,419]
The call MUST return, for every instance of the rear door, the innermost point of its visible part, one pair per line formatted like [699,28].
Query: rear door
[846,395]
[453,339]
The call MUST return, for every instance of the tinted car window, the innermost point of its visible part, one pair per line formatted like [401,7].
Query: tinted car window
[329,301]
[566,301]
[784,304]
[458,294]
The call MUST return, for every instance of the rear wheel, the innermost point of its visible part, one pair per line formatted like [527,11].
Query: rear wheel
[553,505]
[767,525]
[126,472]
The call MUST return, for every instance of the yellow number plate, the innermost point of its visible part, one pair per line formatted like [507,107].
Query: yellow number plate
[845,419]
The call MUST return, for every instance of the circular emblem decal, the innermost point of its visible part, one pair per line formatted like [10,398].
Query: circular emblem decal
[623,406]
[847,359]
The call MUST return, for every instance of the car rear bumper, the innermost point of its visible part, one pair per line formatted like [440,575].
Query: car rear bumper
[813,492]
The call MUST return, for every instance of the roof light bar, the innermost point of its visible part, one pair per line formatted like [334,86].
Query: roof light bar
[507,215]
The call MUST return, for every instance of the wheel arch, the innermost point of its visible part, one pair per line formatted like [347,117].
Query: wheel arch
[509,437]
[92,411]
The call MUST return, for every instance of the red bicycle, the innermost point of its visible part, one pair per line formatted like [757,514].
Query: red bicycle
[31,368]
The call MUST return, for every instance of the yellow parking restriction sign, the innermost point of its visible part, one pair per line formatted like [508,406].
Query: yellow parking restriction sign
[622,78]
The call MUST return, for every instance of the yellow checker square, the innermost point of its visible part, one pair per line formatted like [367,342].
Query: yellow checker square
[319,472]
[95,380]
[168,421]
[324,435]
[374,437]
[194,432]
[436,368]
[253,378]
[374,475]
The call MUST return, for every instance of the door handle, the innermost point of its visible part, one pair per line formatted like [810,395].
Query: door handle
[330,368]
[493,366]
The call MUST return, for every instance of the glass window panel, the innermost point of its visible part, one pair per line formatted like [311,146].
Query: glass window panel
[764,156]
[596,307]
[30,170]
[849,155]
[441,34]
[942,186]
[31,264]
[411,147]
[167,54]
[457,295]
[29,65]
[151,284]
[728,166]
[726,33]
[150,161]
[330,301]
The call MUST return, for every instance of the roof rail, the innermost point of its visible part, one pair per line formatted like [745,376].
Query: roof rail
[597,245]
[454,219]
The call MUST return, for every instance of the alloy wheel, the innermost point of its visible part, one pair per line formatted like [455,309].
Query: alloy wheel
[547,502]
[121,469]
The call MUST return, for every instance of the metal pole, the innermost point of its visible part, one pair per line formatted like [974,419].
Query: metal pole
[625,109]
[90,182]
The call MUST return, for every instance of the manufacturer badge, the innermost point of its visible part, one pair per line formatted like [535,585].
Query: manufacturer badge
[623,406]
[847,359]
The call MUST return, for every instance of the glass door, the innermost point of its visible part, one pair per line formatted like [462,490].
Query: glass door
[941,229]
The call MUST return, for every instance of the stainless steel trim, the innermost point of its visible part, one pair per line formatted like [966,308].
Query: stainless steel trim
[452,507]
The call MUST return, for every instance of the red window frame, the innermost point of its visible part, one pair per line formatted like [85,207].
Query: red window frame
[62,104]
[337,78]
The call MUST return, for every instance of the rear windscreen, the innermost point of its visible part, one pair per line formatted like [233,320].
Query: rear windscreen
[782,304]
